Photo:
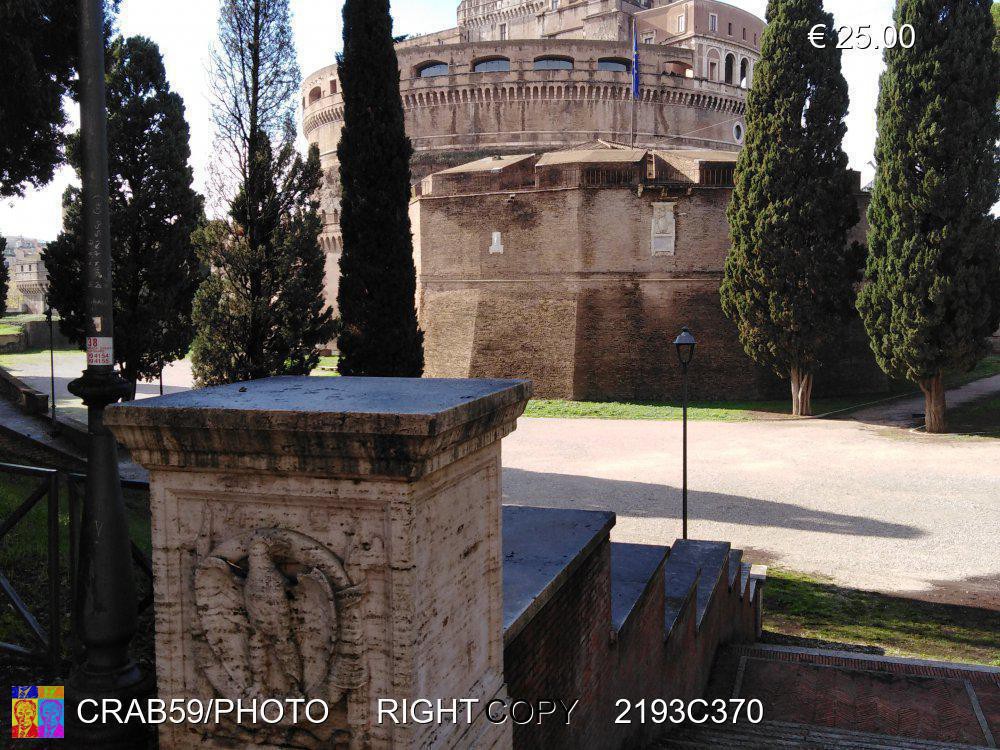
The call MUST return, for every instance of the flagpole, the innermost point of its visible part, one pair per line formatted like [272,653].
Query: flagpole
[635,78]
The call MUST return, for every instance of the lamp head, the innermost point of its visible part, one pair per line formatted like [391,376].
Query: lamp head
[685,344]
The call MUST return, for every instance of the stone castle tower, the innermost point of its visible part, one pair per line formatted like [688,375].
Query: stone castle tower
[517,76]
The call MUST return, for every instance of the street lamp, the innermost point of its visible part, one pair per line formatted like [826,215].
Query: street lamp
[105,609]
[685,345]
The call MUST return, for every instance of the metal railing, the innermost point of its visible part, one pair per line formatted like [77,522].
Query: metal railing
[46,647]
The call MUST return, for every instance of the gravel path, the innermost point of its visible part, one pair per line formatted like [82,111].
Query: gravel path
[871,507]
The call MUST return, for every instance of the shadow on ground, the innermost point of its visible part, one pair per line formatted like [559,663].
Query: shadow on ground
[638,499]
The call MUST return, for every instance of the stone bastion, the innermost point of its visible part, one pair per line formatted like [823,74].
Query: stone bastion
[467,100]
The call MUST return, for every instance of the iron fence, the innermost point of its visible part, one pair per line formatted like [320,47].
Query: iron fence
[46,647]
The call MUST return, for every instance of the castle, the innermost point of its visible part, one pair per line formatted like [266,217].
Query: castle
[518,76]
[563,231]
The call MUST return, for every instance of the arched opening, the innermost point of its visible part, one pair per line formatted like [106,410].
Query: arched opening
[614,65]
[552,62]
[432,69]
[491,65]
[745,73]
[730,65]
[677,68]
[739,132]
[315,94]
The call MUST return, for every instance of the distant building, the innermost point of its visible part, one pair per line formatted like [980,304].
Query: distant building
[577,268]
[29,280]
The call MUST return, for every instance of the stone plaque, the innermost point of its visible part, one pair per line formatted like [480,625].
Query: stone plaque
[664,230]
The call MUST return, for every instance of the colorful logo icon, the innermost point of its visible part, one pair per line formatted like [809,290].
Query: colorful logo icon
[36,712]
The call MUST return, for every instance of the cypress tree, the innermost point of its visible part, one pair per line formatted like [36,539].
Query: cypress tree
[261,312]
[379,334]
[789,278]
[154,210]
[932,296]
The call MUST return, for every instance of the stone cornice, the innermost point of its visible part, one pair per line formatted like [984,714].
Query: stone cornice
[390,427]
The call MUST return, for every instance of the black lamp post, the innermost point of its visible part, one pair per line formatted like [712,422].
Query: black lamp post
[105,610]
[685,345]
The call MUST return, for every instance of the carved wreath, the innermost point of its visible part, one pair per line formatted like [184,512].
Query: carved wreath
[281,618]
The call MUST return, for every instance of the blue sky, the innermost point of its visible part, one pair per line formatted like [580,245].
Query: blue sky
[184,29]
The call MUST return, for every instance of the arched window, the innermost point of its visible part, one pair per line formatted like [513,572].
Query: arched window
[730,65]
[745,73]
[492,65]
[713,63]
[315,95]
[550,62]
[432,69]
[614,65]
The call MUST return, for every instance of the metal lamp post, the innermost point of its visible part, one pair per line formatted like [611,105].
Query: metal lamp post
[685,344]
[105,609]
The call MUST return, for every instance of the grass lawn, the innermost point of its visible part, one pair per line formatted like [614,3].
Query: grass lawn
[981,417]
[805,609]
[6,329]
[734,411]
[23,559]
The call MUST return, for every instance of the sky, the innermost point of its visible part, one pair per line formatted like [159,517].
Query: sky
[186,29]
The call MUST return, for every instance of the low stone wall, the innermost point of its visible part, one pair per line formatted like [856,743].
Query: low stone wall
[12,342]
[24,397]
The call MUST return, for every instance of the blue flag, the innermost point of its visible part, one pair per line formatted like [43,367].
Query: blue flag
[635,62]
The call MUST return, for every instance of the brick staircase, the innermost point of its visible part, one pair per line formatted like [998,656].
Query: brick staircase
[591,620]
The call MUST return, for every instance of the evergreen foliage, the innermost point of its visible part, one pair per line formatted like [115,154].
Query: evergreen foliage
[789,278]
[933,278]
[38,57]
[154,211]
[379,334]
[261,311]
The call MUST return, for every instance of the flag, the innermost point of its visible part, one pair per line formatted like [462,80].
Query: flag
[635,61]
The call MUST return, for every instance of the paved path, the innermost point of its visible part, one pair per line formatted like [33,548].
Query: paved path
[33,370]
[872,507]
[902,412]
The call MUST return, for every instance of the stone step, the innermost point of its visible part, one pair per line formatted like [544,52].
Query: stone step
[633,567]
[735,560]
[780,734]
[692,563]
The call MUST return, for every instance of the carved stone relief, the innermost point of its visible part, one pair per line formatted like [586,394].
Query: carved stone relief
[279,617]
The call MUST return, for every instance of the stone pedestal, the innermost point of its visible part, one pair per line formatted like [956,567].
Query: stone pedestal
[328,538]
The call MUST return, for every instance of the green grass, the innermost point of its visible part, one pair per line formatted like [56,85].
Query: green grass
[705,411]
[806,607]
[327,366]
[980,417]
[735,411]
[7,329]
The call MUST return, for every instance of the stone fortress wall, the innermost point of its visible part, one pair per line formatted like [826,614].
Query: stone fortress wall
[578,268]
[528,75]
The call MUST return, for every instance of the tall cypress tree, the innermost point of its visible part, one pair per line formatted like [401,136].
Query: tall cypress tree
[261,312]
[789,278]
[154,210]
[379,334]
[933,292]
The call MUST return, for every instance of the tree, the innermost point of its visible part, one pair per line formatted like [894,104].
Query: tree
[38,57]
[789,278]
[154,211]
[261,311]
[932,296]
[379,332]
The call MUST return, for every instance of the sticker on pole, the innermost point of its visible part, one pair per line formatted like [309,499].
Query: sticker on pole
[100,351]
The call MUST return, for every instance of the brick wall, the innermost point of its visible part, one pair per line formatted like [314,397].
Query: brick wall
[578,303]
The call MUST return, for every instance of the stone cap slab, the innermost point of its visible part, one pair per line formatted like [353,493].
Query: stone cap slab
[392,427]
